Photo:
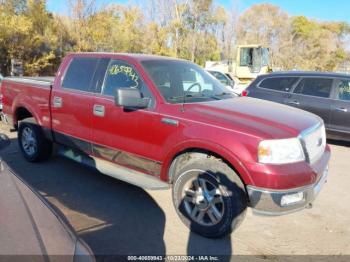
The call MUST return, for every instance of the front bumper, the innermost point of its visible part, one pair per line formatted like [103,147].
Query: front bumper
[268,202]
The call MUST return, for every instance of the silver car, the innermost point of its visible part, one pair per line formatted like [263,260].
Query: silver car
[31,228]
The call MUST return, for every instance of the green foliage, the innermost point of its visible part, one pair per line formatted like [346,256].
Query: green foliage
[197,30]
[302,27]
[27,33]
[318,45]
[264,24]
[296,42]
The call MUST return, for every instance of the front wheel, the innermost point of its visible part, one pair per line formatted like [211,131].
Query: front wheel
[32,142]
[209,197]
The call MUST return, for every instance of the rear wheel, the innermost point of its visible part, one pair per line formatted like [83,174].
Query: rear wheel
[32,142]
[209,197]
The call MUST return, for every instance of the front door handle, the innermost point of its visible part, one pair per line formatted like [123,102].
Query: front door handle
[57,102]
[341,109]
[99,110]
[293,102]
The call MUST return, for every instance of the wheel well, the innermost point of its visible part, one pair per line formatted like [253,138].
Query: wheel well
[181,157]
[21,113]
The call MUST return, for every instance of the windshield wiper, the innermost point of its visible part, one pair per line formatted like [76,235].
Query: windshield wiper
[223,94]
[214,96]
[218,96]
[184,96]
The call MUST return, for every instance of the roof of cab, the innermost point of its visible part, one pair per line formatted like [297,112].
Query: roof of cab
[138,57]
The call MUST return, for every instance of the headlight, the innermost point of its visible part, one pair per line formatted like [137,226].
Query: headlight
[280,151]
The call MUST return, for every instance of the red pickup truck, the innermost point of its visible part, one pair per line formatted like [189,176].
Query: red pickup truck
[160,122]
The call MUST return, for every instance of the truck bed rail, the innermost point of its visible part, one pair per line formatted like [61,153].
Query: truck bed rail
[37,81]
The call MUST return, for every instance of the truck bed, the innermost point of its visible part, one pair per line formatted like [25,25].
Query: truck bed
[44,81]
[31,93]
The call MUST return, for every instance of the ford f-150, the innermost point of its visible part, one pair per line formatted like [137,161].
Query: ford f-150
[159,122]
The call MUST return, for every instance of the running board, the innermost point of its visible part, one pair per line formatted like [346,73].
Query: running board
[114,170]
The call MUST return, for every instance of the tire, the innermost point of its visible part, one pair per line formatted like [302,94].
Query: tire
[220,187]
[32,142]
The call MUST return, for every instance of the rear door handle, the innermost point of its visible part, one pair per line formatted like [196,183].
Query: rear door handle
[99,110]
[342,109]
[57,102]
[294,102]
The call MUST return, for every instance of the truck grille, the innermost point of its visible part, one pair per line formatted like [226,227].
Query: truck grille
[314,140]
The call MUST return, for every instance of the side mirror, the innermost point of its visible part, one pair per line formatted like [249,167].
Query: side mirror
[130,98]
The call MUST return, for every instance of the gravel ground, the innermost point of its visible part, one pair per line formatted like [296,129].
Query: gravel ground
[116,218]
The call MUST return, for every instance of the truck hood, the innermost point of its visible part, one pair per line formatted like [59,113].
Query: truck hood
[255,117]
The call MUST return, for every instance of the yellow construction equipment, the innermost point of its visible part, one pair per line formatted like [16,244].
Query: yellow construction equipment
[251,61]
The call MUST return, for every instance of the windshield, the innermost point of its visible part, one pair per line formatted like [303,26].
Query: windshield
[221,77]
[181,81]
[246,57]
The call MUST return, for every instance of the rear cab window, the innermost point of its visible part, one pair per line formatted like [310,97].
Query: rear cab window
[80,73]
[282,84]
[319,87]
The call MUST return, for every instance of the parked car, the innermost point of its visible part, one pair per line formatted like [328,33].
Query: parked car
[324,94]
[159,122]
[223,78]
[227,81]
[30,227]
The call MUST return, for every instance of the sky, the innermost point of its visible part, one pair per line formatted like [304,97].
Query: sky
[325,10]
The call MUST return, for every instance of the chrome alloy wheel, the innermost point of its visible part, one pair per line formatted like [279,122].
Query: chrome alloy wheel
[203,201]
[29,142]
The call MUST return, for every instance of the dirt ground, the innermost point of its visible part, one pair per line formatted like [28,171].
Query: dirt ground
[116,218]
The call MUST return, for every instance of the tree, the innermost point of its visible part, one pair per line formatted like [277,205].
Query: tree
[196,30]
[14,28]
[317,45]
[43,43]
[28,33]
[186,29]
[228,35]
[295,42]
[264,24]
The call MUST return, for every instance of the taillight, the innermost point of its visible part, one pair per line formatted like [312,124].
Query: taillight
[245,93]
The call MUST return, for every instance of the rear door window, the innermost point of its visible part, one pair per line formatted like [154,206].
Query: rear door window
[320,87]
[79,74]
[343,90]
[284,84]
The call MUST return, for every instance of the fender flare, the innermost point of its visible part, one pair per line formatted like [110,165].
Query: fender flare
[34,118]
[216,149]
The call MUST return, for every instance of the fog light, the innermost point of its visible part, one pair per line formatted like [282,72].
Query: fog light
[292,199]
